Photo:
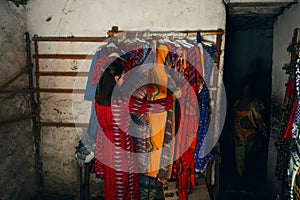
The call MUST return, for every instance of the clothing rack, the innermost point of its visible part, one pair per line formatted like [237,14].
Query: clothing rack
[292,71]
[35,90]
[218,33]
[215,88]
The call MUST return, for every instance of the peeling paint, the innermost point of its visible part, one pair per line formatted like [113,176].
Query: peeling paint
[49,18]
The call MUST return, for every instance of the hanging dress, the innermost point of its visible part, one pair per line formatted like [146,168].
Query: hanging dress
[115,160]
[248,121]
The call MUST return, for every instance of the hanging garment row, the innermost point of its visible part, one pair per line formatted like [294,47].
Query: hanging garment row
[169,140]
[288,145]
[292,133]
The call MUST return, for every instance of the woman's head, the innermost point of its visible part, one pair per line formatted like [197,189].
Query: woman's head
[247,88]
[111,76]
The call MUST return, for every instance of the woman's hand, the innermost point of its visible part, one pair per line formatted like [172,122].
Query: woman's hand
[178,93]
[140,93]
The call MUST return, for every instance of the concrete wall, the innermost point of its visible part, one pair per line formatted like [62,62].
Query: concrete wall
[283,33]
[95,18]
[249,55]
[17,170]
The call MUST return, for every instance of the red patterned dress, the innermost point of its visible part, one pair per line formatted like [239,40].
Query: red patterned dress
[115,159]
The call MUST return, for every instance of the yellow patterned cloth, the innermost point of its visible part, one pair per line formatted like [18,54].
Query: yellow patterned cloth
[157,121]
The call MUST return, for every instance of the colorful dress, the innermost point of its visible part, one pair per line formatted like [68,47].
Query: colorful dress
[248,121]
[115,159]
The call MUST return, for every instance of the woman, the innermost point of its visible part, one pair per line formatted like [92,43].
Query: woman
[115,145]
[249,130]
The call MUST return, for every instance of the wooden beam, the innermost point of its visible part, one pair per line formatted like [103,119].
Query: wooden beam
[17,119]
[81,74]
[15,77]
[65,124]
[45,90]
[63,56]
[69,39]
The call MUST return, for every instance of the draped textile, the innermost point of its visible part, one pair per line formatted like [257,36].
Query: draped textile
[157,121]
[184,166]
[247,125]
[115,145]
[201,159]
[294,166]
[161,125]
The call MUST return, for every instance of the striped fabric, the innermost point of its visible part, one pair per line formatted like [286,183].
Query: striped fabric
[294,167]
[119,180]
[115,145]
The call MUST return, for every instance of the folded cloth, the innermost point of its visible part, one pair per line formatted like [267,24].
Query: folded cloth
[82,154]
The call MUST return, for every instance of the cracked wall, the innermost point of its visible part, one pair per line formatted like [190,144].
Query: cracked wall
[17,169]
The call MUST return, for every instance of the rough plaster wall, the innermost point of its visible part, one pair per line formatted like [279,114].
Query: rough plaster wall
[250,54]
[95,18]
[91,17]
[255,1]
[283,33]
[17,170]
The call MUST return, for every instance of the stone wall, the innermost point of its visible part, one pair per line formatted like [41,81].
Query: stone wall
[17,169]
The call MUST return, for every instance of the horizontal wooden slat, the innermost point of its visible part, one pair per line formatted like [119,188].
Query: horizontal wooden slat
[69,39]
[45,90]
[59,124]
[17,119]
[83,74]
[64,56]
[53,90]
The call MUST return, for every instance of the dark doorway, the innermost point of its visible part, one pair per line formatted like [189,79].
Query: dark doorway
[248,58]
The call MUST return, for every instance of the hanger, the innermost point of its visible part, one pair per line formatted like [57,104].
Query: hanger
[128,39]
[116,55]
[161,40]
[191,40]
[166,39]
[140,40]
[184,40]
[203,41]
[180,42]
[112,44]
[186,43]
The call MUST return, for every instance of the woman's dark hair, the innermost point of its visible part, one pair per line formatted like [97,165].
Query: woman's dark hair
[249,83]
[107,82]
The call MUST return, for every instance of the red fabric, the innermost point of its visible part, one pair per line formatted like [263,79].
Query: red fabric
[114,147]
[186,176]
[289,92]
[118,182]
[143,106]
[288,132]
[184,166]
